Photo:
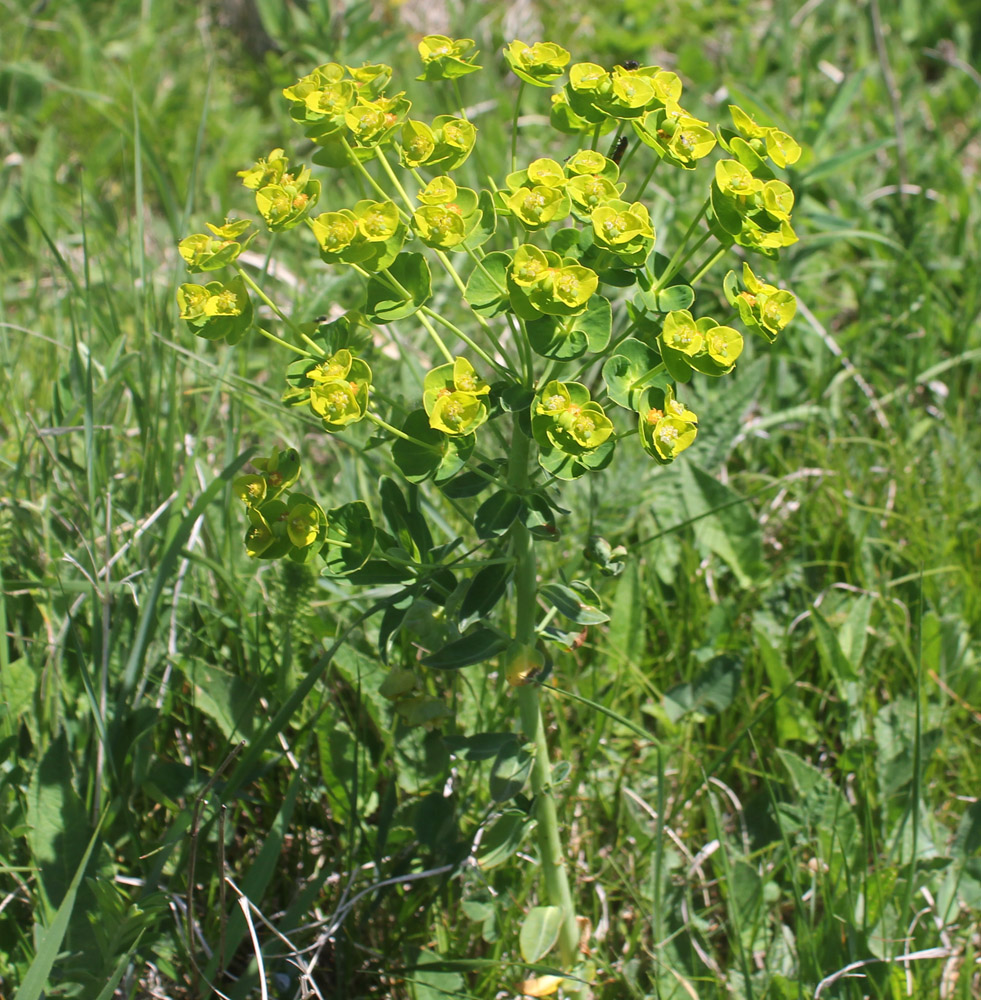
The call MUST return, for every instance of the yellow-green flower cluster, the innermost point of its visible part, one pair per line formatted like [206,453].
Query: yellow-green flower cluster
[216,311]
[446,58]
[370,234]
[542,281]
[444,145]
[763,308]
[666,426]
[546,191]
[345,111]
[337,388]
[204,252]
[447,214]
[454,398]
[751,207]
[573,433]
[701,344]
[763,140]
[283,197]
[280,524]
[540,64]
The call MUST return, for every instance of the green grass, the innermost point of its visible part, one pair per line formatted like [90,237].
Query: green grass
[772,747]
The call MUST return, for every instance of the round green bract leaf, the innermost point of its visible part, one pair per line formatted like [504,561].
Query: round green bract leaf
[484,223]
[486,288]
[305,521]
[623,373]
[569,467]
[678,364]
[385,304]
[538,206]
[664,437]
[250,489]
[722,346]
[438,382]
[350,538]
[528,266]
[672,298]
[378,221]
[550,337]
[455,139]
[203,252]
[431,454]
[596,323]
[781,148]
[284,206]
[334,232]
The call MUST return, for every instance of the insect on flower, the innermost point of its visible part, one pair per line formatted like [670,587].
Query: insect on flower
[619,148]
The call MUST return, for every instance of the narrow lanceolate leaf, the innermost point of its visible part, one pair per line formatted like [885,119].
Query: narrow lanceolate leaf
[49,946]
[569,604]
[475,647]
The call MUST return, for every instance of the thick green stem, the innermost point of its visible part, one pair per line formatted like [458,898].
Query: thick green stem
[532,724]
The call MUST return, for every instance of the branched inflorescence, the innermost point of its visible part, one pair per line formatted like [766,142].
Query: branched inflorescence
[577,330]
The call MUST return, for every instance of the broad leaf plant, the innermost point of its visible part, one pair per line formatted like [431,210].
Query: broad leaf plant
[579,338]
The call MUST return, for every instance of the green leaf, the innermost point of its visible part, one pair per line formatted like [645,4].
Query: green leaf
[496,514]
[434,983]
[676,362]
[166,565]
[56,821]
[835,163]
[480,746]
[419,459]
[485,228]
[503,839]
[568,602]
[967,841]
[486,588]
[487,287]
[712,691]
[406,521]
[351,526]
[831,653]
[475,647]
[35,980]
[675,297]
[723,523]
[539,932]
[551,337]
[510,771]
[632,361]
[224,697]
[17,683]
[386,302]
[596,323]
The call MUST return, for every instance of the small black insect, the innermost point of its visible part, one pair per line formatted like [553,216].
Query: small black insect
[629,64]
[619,148]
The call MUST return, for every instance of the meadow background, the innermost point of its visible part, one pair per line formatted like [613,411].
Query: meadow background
[783,780]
